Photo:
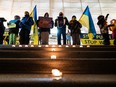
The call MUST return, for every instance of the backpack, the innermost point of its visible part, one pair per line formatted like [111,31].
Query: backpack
[60,22]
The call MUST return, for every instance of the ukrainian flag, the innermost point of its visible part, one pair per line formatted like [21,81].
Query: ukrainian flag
[87,21]
[34,28]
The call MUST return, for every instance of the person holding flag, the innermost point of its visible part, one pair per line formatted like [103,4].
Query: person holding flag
[25,25]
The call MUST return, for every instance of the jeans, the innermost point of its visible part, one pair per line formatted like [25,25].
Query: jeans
[61,31]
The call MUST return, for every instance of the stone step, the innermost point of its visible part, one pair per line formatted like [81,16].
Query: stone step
[70,66]
[86,66]
[59,54]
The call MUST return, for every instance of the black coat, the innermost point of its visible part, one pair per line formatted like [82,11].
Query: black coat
[2,28]
[74,26]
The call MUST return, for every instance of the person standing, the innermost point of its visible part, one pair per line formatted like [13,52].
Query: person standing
[61,23]
[25,25]
[68,37]
[2,29]
[45,31]
[102,23]
[113,29]
[13,26]
[75,26]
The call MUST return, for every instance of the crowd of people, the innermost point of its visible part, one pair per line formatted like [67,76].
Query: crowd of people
[22,27]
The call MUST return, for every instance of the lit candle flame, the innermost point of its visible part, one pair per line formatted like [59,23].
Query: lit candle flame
[20,45]
[46,46]
[39,46]
[60,46]
[26,45]
[67,46]
[32,45]
[56,73]
[53,57]
[74,46]
[88,46]
[81,46]
[53,49]
[13,46]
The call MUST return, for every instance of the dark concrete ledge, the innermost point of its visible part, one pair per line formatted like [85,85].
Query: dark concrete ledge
[68,80]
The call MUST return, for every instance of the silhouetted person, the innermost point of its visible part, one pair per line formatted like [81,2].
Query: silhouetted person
[75,26]
[113,29]
[25,25]
[45,31]
[68,37]
[61,23]
[102,23]
[2,29]
[13,29]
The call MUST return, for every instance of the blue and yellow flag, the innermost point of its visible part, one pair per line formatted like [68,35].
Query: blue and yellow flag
[34,28]
[87,21]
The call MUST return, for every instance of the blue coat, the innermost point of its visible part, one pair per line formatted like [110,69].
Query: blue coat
[26,22]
